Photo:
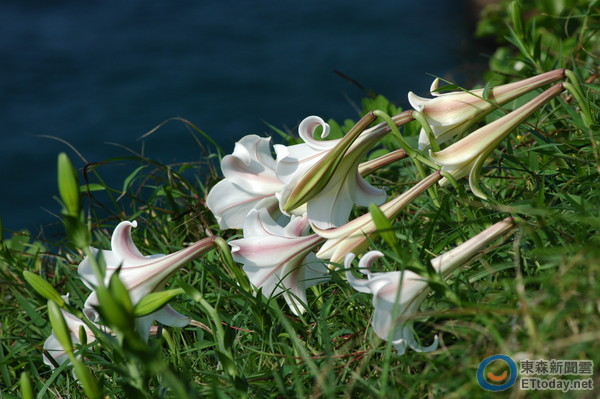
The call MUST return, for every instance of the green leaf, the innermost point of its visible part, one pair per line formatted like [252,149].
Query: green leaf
[119,292]
[154,301]
[92,187]
[26,388]
[87,380]
[43,288]
[130,178]
[59,327]
[77,231]
[517,18]
[113,312]
[384,226]
[68,187]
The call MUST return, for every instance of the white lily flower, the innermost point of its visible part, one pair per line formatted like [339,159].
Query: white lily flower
[451,114]
[54,347]
[338,184]
[468,155]
[250,183]
[279,259]
[354,235]
[398,295]
[396,298]
[140,274]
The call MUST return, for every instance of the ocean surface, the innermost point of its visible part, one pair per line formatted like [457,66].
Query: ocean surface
[94,73]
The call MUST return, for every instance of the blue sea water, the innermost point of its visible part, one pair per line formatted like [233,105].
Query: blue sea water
[98,72]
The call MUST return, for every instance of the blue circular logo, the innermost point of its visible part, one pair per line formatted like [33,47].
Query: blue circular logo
[493,382]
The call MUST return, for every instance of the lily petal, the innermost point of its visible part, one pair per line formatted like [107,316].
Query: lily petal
[251,166]
[230,204]
[278,259]
[250,182]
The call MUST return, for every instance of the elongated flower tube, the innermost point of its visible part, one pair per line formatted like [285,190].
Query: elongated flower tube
[325,174]
[353,236]
[52,344]
[451,114]
[250,183]
[449,261]
[398,295]
[140,274]
[468,155]
[279,259]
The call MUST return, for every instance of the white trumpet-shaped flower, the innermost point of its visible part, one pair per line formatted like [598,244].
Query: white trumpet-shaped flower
[140,274]
[250,183]
[396,298]
[279,259]
[53,346]
[451,114]
[398,295]
[325,174]
[467,156]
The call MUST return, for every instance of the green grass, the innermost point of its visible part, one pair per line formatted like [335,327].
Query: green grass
[533,294]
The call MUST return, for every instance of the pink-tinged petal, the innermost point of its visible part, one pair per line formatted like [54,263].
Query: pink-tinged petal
[434,87]
[53,346]
[260,223]
[412,342]
[86,271]
[315,271]
[297,226]
[275,257]
[307,130]
[123,247]
[271,252]
[170,317]
[231,204]
[359,284]
[331,207]
[294,161]
[55,349]
[293,287]
[143,325]
[367,261]
[382,323]
[251,166]
[363,193]
[400,345]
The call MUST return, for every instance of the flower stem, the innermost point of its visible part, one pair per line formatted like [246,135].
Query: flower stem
[368,167]
[432,140]
[412,153]
[574,87]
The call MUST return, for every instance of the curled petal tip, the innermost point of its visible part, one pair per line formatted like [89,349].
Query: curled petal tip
[434,86]
[418,103]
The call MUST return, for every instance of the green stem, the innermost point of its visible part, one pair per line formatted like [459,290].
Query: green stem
[412,153]
[425,125]
[234,270]
[576,91]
